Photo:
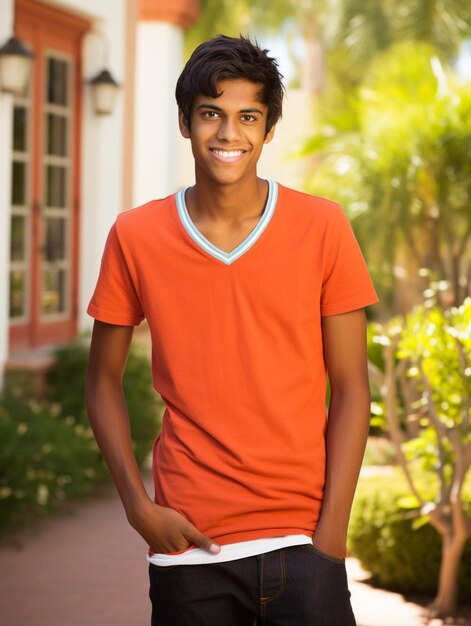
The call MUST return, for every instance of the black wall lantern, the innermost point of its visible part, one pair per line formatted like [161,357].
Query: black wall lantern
[15,67]
[103,85]
[104,89]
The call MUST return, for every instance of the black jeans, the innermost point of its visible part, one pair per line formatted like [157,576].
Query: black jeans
[295,586]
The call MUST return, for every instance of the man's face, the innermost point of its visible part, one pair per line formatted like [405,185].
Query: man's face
[228,133]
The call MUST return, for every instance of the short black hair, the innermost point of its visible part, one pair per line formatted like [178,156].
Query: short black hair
[226,58]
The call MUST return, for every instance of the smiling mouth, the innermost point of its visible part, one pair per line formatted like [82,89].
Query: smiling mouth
[227,155]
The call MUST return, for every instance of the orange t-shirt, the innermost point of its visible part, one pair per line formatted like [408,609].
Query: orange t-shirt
[237,354]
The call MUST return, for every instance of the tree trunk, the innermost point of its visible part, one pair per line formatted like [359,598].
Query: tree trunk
[445,601]
[313,78]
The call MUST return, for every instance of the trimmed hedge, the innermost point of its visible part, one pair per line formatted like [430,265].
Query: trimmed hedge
[48,452]
[382,537]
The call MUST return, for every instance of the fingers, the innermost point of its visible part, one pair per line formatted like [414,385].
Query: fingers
[167,531]
[203,542]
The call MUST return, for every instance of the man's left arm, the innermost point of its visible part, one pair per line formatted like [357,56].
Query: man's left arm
[345,355]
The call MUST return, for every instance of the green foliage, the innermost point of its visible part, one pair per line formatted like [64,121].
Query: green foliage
[434,345]
[399,164]
[45,457]
[351,32]
[49,452]
[67,381]
[437,347]
[426,384]
[375,358]
[382,536]
[437,344]
[375,349]
[235,17]
[363,30]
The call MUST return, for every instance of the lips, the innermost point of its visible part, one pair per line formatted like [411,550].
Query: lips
[227,156]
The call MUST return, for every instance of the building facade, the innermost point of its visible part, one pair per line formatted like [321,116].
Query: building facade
[65,170]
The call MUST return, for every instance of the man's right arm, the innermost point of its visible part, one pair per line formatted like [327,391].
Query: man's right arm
[164,529]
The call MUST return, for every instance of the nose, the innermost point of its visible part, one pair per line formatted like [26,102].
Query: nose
[228,130]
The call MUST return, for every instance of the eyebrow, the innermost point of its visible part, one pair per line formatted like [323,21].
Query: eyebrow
[216,108]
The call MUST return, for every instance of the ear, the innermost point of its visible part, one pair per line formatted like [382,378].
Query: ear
[269,135]
[182,123]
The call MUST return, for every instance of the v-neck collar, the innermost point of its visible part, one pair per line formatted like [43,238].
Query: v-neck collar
[246,244]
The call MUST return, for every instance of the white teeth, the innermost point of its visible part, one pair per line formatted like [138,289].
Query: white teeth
[228,154]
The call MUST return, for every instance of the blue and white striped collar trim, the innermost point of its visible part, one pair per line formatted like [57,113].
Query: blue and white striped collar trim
[210,248]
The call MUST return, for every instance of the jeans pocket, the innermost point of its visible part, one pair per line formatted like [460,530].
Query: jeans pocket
[324,555]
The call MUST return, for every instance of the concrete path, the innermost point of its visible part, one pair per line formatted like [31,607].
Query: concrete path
[86,567]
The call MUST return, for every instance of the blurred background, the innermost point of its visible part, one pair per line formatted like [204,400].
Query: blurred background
[377,117]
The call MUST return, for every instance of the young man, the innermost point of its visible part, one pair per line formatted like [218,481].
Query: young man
[251,291]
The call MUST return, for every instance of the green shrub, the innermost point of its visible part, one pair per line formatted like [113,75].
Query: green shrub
[67,381]
[383,538]
[44,458]
[378,425]
[48,451]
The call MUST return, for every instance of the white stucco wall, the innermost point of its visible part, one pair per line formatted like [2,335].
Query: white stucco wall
[102,147]
[158,65]
[6,121]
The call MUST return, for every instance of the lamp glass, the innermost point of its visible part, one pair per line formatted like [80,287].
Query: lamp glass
[15,71]
[104,96]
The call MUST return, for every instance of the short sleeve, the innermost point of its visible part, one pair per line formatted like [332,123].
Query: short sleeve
[346,284]
[115,298]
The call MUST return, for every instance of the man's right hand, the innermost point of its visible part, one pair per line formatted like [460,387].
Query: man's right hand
[166,530]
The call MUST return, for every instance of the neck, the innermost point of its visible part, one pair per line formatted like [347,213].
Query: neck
[228,203]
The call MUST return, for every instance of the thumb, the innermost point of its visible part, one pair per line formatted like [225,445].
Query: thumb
[202,541]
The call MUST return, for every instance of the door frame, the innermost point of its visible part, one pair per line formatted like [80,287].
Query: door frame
[50,30]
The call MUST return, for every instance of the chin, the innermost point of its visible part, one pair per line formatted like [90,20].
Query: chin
[226,178]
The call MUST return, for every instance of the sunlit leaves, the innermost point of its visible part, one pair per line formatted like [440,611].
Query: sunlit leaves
[437,344]
[407,165]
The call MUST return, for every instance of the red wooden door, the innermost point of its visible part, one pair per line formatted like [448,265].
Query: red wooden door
[46,175]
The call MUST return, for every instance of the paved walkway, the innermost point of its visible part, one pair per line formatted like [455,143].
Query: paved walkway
[86,567]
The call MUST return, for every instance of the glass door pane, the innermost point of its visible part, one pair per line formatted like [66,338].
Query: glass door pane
[56,214]
[17,293]
[20,262]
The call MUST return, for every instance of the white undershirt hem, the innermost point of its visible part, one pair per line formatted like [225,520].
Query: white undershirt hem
[229,552]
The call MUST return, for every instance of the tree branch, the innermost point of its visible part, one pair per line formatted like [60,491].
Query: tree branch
[464,241]
[466,398]
[461,521]
[442,434]
[389,394]
[375,374]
